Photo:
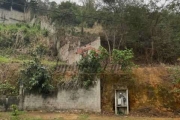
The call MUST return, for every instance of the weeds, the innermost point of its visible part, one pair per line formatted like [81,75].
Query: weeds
[83,117]
[4,59]
[15,111]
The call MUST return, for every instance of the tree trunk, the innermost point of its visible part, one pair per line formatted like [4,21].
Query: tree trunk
[82,28]
[114,39]
[109,46]
[120,42]
[152,50]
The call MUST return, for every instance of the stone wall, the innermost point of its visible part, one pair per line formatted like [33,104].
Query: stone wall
[88,100]
[13,16]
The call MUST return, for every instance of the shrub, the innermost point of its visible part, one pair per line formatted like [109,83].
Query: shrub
[41,50]
[36,77]
[14,110]
[7,89]
[89,66]
[5,42]
[175,76]
[123,57]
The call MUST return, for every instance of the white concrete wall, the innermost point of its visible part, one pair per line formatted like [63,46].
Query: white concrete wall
[64,52]
[71,56]
[11,17]
[88,100]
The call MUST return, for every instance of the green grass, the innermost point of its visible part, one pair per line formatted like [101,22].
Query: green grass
[22,27]
[49,63]
[83,117]
[4,59]
[60,118]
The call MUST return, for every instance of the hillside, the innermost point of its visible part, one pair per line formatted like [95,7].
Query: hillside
[69,51]
[20,44]
[19,41]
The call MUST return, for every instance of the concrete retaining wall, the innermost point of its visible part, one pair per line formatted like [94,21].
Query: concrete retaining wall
[13,16]
[88,100]
[6,102]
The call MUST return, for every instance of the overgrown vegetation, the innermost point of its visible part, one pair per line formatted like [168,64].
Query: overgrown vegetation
[36,78]
[14,110]
[18,5]
[89,66]
[19,41]
[8,89]
[93,63]
[147,33]
[175,77]
[123,58]
[150,28]
[18,35]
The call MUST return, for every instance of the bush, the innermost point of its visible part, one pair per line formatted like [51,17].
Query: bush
[46,33]
[7,89]
[89,66]
[5,42]
[36,78]
[15,110]
[123,57]
[175,76]
[41,50]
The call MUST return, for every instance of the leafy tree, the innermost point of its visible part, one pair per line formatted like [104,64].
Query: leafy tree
[65,14]
[19,5]
[6,4]
[96,62]
[148,29]
[123,58]
[33,6]
[15,4]
[86,13]
[53,5]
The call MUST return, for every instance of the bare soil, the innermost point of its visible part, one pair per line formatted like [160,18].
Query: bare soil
[71,116]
